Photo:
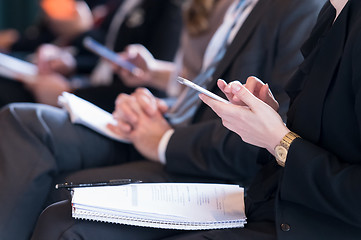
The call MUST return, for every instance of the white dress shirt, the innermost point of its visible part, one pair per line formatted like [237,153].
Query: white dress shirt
[215,42]
[338,5]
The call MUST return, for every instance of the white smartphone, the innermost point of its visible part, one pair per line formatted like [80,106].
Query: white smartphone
[200,89]
[106,53]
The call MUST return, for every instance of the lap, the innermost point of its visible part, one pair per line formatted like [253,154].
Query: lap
[73,146]
[56,223]
[253,230]
[146,171]
[13,91]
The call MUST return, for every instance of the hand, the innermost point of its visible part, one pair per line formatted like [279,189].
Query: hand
[129,107]
[147,134]
[143,59]
[51,58]
[255,86]
[47,87]
[140,119]
[254,120]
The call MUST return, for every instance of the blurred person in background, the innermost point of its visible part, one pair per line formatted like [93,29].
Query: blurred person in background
[55,21]
[155,24]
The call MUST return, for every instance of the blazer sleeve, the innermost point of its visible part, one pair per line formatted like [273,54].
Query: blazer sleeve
[209,150]
[322,180]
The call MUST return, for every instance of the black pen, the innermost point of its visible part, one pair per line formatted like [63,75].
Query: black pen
[113,182]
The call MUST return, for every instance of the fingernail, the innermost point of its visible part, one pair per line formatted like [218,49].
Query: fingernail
[236,87]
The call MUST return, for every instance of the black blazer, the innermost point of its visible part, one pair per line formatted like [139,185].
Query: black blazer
[266,46]
[320,188]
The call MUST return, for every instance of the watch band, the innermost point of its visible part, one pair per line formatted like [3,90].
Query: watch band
[288,139]
[281,150]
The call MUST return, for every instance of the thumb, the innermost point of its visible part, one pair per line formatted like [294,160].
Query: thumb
[43,65]
[162,105]
[131,51]
[243,94]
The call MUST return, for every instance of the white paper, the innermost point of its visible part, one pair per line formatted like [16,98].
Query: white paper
[89,115]
[165,205]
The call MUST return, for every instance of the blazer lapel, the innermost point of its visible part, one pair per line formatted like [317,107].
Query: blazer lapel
[310,49]
[321,74]
[241,38]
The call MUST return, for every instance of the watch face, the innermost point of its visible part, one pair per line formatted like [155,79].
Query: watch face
[281,153]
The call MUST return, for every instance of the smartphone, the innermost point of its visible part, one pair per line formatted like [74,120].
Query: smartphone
[200,89]
[106,53]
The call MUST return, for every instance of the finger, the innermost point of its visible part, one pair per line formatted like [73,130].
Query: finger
[138,72]
[162,105]
[233,98]
[124,55]
[44,55]
[127,74]
[266,95]
[223,110]
[120,129]
[146,101]
[124,74]
[253,85]
[131,51]
[43,66]
[225,88]
[244,95]
[212,103]
[127,109]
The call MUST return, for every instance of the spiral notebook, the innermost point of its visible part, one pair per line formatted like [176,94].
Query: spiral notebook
[183,206]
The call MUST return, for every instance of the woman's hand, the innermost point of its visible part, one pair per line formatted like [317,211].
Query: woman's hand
[255,86]
[251,116]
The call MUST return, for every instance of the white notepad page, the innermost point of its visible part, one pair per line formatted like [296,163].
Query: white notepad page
[164,205]
[89,115]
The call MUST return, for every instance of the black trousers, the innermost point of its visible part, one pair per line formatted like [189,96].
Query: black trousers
[56,223]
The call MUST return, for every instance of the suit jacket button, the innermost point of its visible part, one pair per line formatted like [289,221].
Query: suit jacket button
[285,227]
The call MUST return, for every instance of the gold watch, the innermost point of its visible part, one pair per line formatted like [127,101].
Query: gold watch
[281,149]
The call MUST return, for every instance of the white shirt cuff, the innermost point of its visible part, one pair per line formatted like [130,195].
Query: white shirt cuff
[162,147]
